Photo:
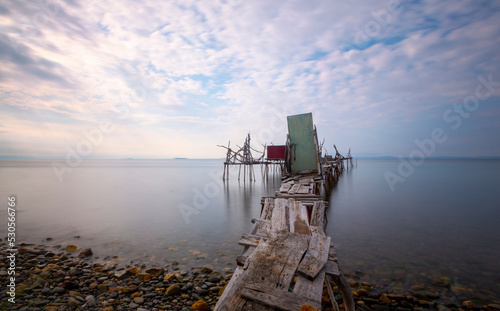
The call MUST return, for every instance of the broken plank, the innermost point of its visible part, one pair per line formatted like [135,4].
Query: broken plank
[294,189]
[267,210]
[279,299]
[279,218]
[332,268]
[310,289]
[316,256]
[249,240]
[298,217]
[318,214]
[285,187]
[304,189]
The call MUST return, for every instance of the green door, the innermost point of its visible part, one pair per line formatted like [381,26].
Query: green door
[302,142]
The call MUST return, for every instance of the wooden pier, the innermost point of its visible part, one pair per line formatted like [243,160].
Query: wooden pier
[287,258]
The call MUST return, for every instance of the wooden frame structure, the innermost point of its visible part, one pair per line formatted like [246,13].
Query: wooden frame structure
[287,257]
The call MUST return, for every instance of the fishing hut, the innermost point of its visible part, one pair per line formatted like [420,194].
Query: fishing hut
[287,258]
[243,157]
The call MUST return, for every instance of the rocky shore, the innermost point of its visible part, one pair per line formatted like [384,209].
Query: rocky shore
[67,278]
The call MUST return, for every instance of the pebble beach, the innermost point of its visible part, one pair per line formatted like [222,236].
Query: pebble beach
[69,278]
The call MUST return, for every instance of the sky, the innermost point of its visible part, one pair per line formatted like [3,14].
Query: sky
[164,79]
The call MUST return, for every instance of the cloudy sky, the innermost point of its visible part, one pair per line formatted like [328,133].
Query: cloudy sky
[160,79]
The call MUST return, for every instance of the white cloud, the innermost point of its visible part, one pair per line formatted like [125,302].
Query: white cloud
[222,67]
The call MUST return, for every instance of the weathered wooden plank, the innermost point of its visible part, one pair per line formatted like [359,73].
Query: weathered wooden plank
[301,196]
[345,290]
[285,187]
[231,288]
[267,210]
[316,256]
[332,253]
[304,189]
[330,293]
[332,268]
[274,262]
[278,299]
[306,180]
[279,218]
[317,230]
[249,240]
[310,289]
[318,214]
[299,219]
[294,189]
[261,228]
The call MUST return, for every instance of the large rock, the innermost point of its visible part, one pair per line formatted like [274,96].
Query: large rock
[173,290]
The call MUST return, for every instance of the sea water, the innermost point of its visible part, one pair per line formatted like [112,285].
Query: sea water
[442,222]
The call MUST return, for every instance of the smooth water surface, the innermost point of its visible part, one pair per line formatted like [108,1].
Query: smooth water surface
[441,222]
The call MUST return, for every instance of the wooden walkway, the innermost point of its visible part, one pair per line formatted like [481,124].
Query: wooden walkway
[287,257]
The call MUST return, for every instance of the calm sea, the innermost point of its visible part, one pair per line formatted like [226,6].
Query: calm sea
[441,222]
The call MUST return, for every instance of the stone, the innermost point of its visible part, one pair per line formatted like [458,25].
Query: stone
[494,306]
[206,270]
[107,309]
[74,271]
[146,277]
[50,267]
[156,271]
[134,295]
[73,303]
[139,300]
[134,270]
[384,299]
[215,289]
[71,248]
[173,290]
[129,289]
[133,305]
[443,308]
[214,279]
[169,276]
[122,274]
[86,252]
[381,308]
[72,293]
[353,283]
[102,288]
[396,297]
[200,305]
[58,290]
[221,291]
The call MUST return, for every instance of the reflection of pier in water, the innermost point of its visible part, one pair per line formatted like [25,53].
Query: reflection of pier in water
[287,257]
